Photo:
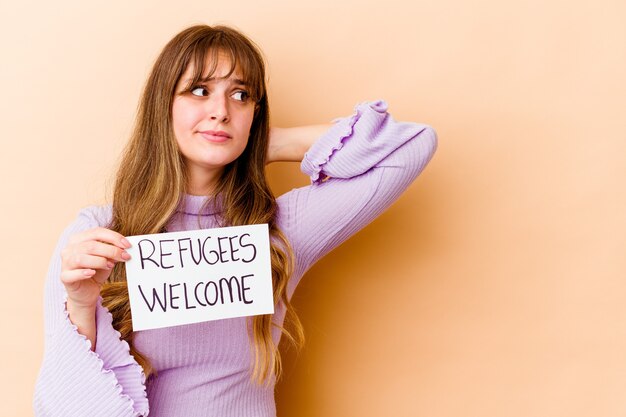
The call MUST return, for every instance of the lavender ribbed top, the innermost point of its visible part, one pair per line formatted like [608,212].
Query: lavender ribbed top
[204,368]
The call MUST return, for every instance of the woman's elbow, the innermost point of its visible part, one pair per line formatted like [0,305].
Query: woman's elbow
[423,146]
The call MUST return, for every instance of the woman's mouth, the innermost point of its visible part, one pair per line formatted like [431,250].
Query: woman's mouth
[215,136]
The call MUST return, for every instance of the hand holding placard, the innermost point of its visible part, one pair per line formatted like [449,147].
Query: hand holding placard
[199,275]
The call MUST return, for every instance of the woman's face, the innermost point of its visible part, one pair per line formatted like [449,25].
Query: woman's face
[212,121]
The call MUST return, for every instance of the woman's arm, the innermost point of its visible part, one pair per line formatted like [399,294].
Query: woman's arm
[291,143]
[358,168]
[86,263]
[75,378]
[84,318]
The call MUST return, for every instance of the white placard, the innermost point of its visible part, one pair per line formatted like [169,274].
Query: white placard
[199,275]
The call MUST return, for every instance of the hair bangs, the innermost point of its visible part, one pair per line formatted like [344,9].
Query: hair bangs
[208,51]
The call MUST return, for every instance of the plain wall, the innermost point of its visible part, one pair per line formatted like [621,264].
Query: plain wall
[493,287]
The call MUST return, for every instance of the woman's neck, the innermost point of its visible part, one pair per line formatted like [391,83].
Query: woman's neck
[202,181]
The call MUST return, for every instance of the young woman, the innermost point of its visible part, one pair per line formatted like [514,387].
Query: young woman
[196,159]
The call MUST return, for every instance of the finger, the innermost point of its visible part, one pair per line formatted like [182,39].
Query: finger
[85,261]
[75,275]
[103,235]
[96,248]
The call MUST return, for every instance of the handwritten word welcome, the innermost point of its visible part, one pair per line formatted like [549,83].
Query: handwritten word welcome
[204,294]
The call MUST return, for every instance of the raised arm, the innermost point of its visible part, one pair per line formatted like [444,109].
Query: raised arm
[75,379]
[290,144]
[358,168]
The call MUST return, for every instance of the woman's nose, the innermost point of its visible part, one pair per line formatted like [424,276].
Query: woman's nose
[218,108]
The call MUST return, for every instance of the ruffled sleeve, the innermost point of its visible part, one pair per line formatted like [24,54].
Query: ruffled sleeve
[358,168]
[74,380]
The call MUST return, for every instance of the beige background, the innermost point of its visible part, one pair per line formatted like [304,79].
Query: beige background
[493,287]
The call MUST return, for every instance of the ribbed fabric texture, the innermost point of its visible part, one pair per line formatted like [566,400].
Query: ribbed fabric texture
[358,168]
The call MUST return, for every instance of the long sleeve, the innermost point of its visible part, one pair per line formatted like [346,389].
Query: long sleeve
[74,380]
[358,168]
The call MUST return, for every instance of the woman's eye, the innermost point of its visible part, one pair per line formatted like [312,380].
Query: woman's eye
[241,95]
[199,91]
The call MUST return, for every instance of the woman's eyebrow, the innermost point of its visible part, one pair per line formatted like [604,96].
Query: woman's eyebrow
[237,81]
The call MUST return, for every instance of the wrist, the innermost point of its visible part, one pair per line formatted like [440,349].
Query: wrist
[275,144]
[84,318]
[82,314]
[291,143]
[81,306]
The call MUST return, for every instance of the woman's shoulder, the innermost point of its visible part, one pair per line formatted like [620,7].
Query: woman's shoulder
[96,215]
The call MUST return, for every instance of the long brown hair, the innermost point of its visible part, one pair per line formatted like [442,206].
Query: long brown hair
[152,178]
